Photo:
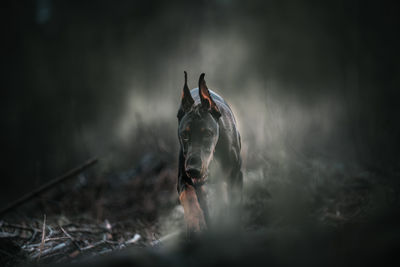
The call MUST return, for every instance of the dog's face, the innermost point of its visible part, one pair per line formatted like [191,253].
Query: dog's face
[198,131]
[198,135]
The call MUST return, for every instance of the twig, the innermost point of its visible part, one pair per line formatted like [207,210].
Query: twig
[20,227]
[48,185]
[93,245]
[43,236]
[165,238]
[134,239]
[33,236]
[7,234]
[56,238]
[70,237]
[51,232]
[88,230]
[51,250]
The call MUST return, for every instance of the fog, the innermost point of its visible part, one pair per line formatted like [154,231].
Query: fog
[313,86]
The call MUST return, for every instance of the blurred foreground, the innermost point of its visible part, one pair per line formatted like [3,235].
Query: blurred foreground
[307,213]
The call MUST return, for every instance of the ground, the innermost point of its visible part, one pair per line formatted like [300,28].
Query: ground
[307,211]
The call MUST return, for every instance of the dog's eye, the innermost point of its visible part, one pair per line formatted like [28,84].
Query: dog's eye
[185,137]
[207,133]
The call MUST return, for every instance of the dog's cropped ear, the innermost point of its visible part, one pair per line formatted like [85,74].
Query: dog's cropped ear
[187,100]
[206,99]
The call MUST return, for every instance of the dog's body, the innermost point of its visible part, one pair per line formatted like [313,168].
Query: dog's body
[207,129]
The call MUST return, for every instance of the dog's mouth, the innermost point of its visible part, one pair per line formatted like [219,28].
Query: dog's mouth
[196,175]
[198,181]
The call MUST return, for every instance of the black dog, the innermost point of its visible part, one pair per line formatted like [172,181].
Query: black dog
[207,129]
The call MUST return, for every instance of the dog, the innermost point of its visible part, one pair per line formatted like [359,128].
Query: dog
[206,130]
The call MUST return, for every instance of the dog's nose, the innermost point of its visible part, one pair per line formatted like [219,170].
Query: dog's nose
[193,173]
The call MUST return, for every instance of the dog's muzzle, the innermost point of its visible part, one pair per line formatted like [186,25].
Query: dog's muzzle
[193,173]
[196,177]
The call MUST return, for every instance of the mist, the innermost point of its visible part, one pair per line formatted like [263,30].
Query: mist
[313,86]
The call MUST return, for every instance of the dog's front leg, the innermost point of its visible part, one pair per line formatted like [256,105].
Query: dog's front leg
[202,197]
[194,216]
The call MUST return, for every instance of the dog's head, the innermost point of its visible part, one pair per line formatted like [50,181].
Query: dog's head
[198,130]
